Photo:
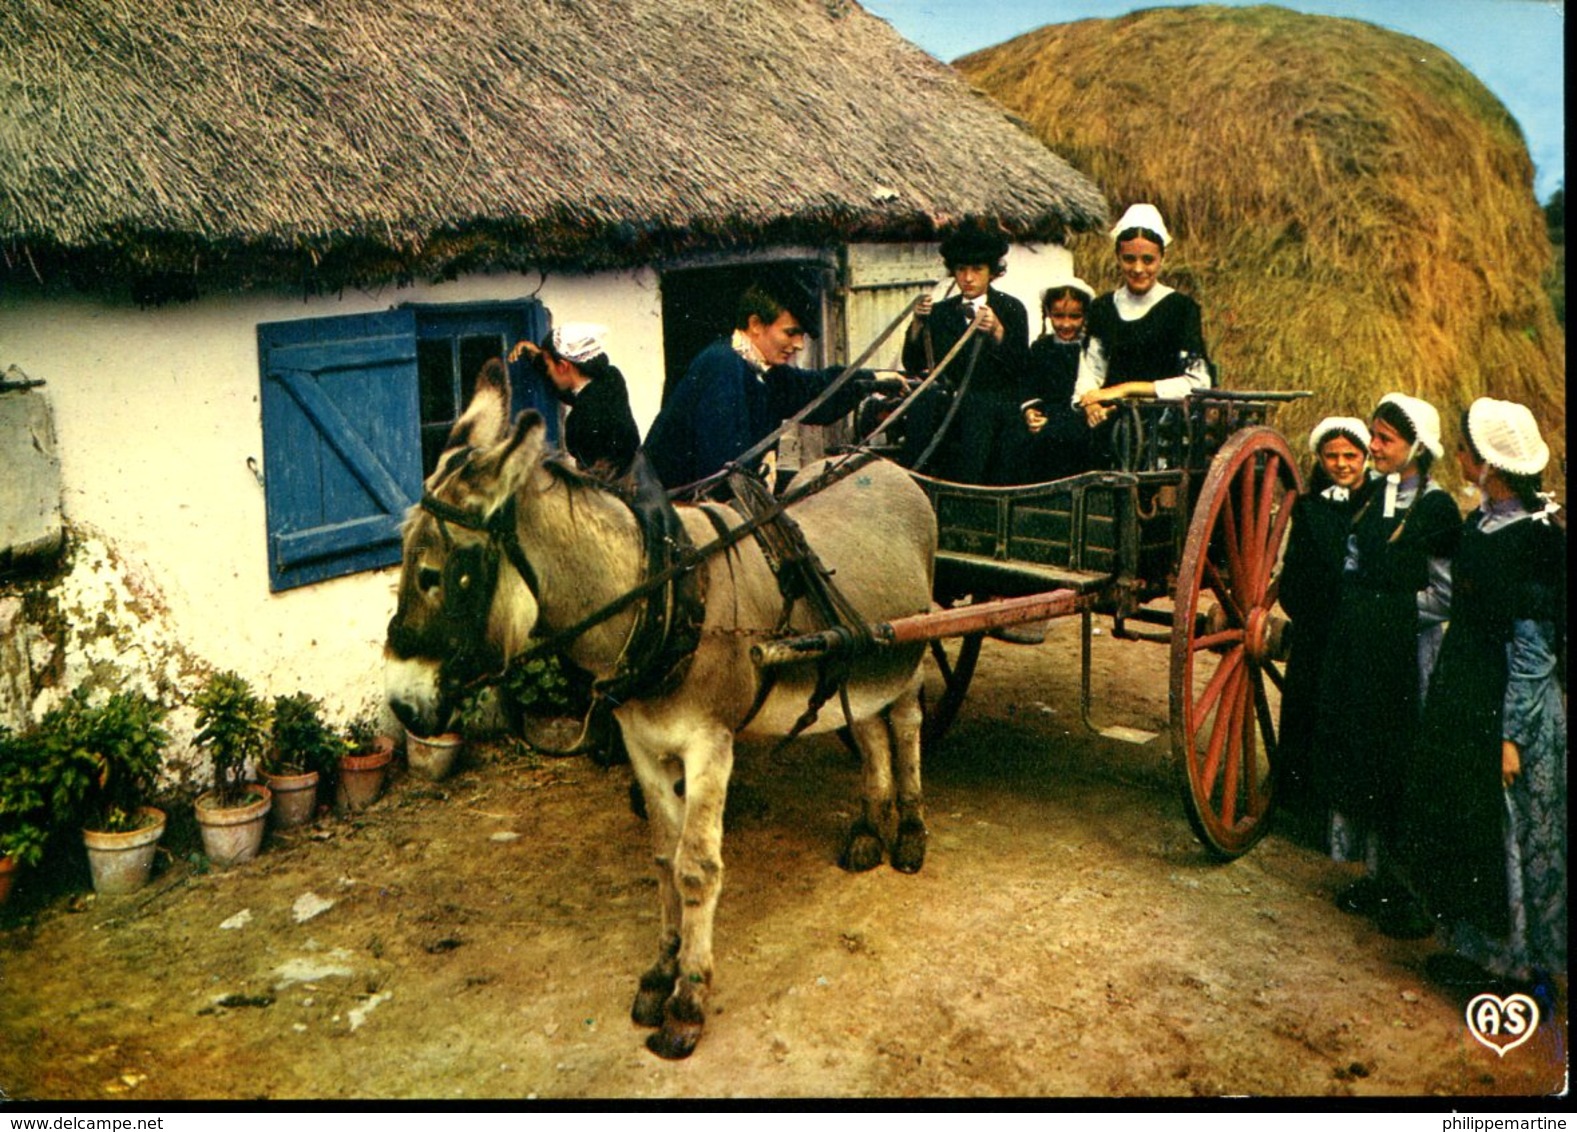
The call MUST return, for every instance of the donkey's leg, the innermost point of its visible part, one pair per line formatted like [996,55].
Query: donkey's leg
[698,874]
[905,717]
[863,848]
[665,809]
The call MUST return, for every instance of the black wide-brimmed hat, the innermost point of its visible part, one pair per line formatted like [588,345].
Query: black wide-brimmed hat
[797,287]
[974,239]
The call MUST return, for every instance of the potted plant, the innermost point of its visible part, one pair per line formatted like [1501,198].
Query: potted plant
[362,766]
[23,815]
[546,704]
[233,725]
[97,763]
[303,752]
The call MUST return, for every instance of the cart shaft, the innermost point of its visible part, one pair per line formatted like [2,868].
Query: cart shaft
[921,627]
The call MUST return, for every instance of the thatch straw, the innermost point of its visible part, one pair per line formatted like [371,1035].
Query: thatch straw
[364,140]
[1353,209]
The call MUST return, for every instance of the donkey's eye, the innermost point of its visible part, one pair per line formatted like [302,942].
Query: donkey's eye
[427,579]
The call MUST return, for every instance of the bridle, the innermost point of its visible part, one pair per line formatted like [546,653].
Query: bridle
[469,580]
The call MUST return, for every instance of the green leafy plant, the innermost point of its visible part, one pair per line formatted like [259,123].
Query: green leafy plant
[361,736]
[233,727]
[24,810]
[98,762]
[540,687]
[302,742]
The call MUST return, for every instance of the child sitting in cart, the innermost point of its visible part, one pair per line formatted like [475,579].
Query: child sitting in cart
[975,420]
[1054,441]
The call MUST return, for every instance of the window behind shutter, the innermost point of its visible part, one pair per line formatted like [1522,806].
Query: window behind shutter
[341,462]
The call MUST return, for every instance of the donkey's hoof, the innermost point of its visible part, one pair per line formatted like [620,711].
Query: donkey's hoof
[909,847]
[657,985]
[862,852]
[674,1042]
[647,1009]
[681,1030]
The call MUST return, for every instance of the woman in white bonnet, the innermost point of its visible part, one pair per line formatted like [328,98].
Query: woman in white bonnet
[1145,339]
[1484,827]
[1394,589]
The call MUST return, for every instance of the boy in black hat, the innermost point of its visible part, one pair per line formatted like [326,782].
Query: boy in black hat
[975,449]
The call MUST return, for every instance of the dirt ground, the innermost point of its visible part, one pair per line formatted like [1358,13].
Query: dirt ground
[1067,938]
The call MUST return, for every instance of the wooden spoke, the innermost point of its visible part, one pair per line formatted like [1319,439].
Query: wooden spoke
[1216,640]
[1219,735]
[1224,593]
[1207,700]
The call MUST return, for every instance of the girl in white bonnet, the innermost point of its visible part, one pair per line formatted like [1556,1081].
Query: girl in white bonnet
[1395,588]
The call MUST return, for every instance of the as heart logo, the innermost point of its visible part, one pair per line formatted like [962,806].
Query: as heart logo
[1502,1024]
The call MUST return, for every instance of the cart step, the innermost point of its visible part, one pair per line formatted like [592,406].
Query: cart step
[1016,574]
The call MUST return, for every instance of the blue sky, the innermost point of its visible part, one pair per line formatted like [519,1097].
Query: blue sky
[1515,47]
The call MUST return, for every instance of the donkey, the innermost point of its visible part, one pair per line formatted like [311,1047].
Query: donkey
[509,543]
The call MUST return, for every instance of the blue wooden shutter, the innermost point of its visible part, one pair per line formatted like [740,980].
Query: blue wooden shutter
[341,455]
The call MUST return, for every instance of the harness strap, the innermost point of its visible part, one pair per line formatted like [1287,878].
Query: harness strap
[690,559]
[666,636]
[769,678]
[952,410]
[802,576]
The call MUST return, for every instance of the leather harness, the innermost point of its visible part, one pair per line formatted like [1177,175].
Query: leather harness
[658,652]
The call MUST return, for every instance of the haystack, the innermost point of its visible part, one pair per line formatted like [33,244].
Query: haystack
[248,142]
[1353,209]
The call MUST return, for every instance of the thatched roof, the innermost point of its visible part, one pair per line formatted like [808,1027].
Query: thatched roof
[1353,209]
[355,140]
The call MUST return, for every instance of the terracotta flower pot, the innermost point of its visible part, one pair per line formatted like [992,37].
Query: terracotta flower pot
[232,835]
[361,776]
[7,875]
[432,757]
[295,798]
[121,862]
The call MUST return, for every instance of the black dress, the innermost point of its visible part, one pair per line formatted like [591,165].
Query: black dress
[1311,577]
[1061,447]
[978,446]
[1454,817]
[1369,693]
[600,432]
[1163,342]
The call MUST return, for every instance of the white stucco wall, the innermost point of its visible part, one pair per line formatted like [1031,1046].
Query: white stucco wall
[157,414]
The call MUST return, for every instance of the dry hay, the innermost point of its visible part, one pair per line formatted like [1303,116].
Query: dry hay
[1353,209]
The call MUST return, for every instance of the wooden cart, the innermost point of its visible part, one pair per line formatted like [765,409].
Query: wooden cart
[1181,545]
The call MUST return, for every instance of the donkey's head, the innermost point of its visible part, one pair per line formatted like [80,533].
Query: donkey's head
[461,612]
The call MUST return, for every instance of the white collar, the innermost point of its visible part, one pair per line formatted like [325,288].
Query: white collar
[1131,306]
[746,349]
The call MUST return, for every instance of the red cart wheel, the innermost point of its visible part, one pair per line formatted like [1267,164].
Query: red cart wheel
[954,659]
[1225,651]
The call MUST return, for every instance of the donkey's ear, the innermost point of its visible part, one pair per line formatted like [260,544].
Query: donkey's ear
[520,453]
[486,419]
